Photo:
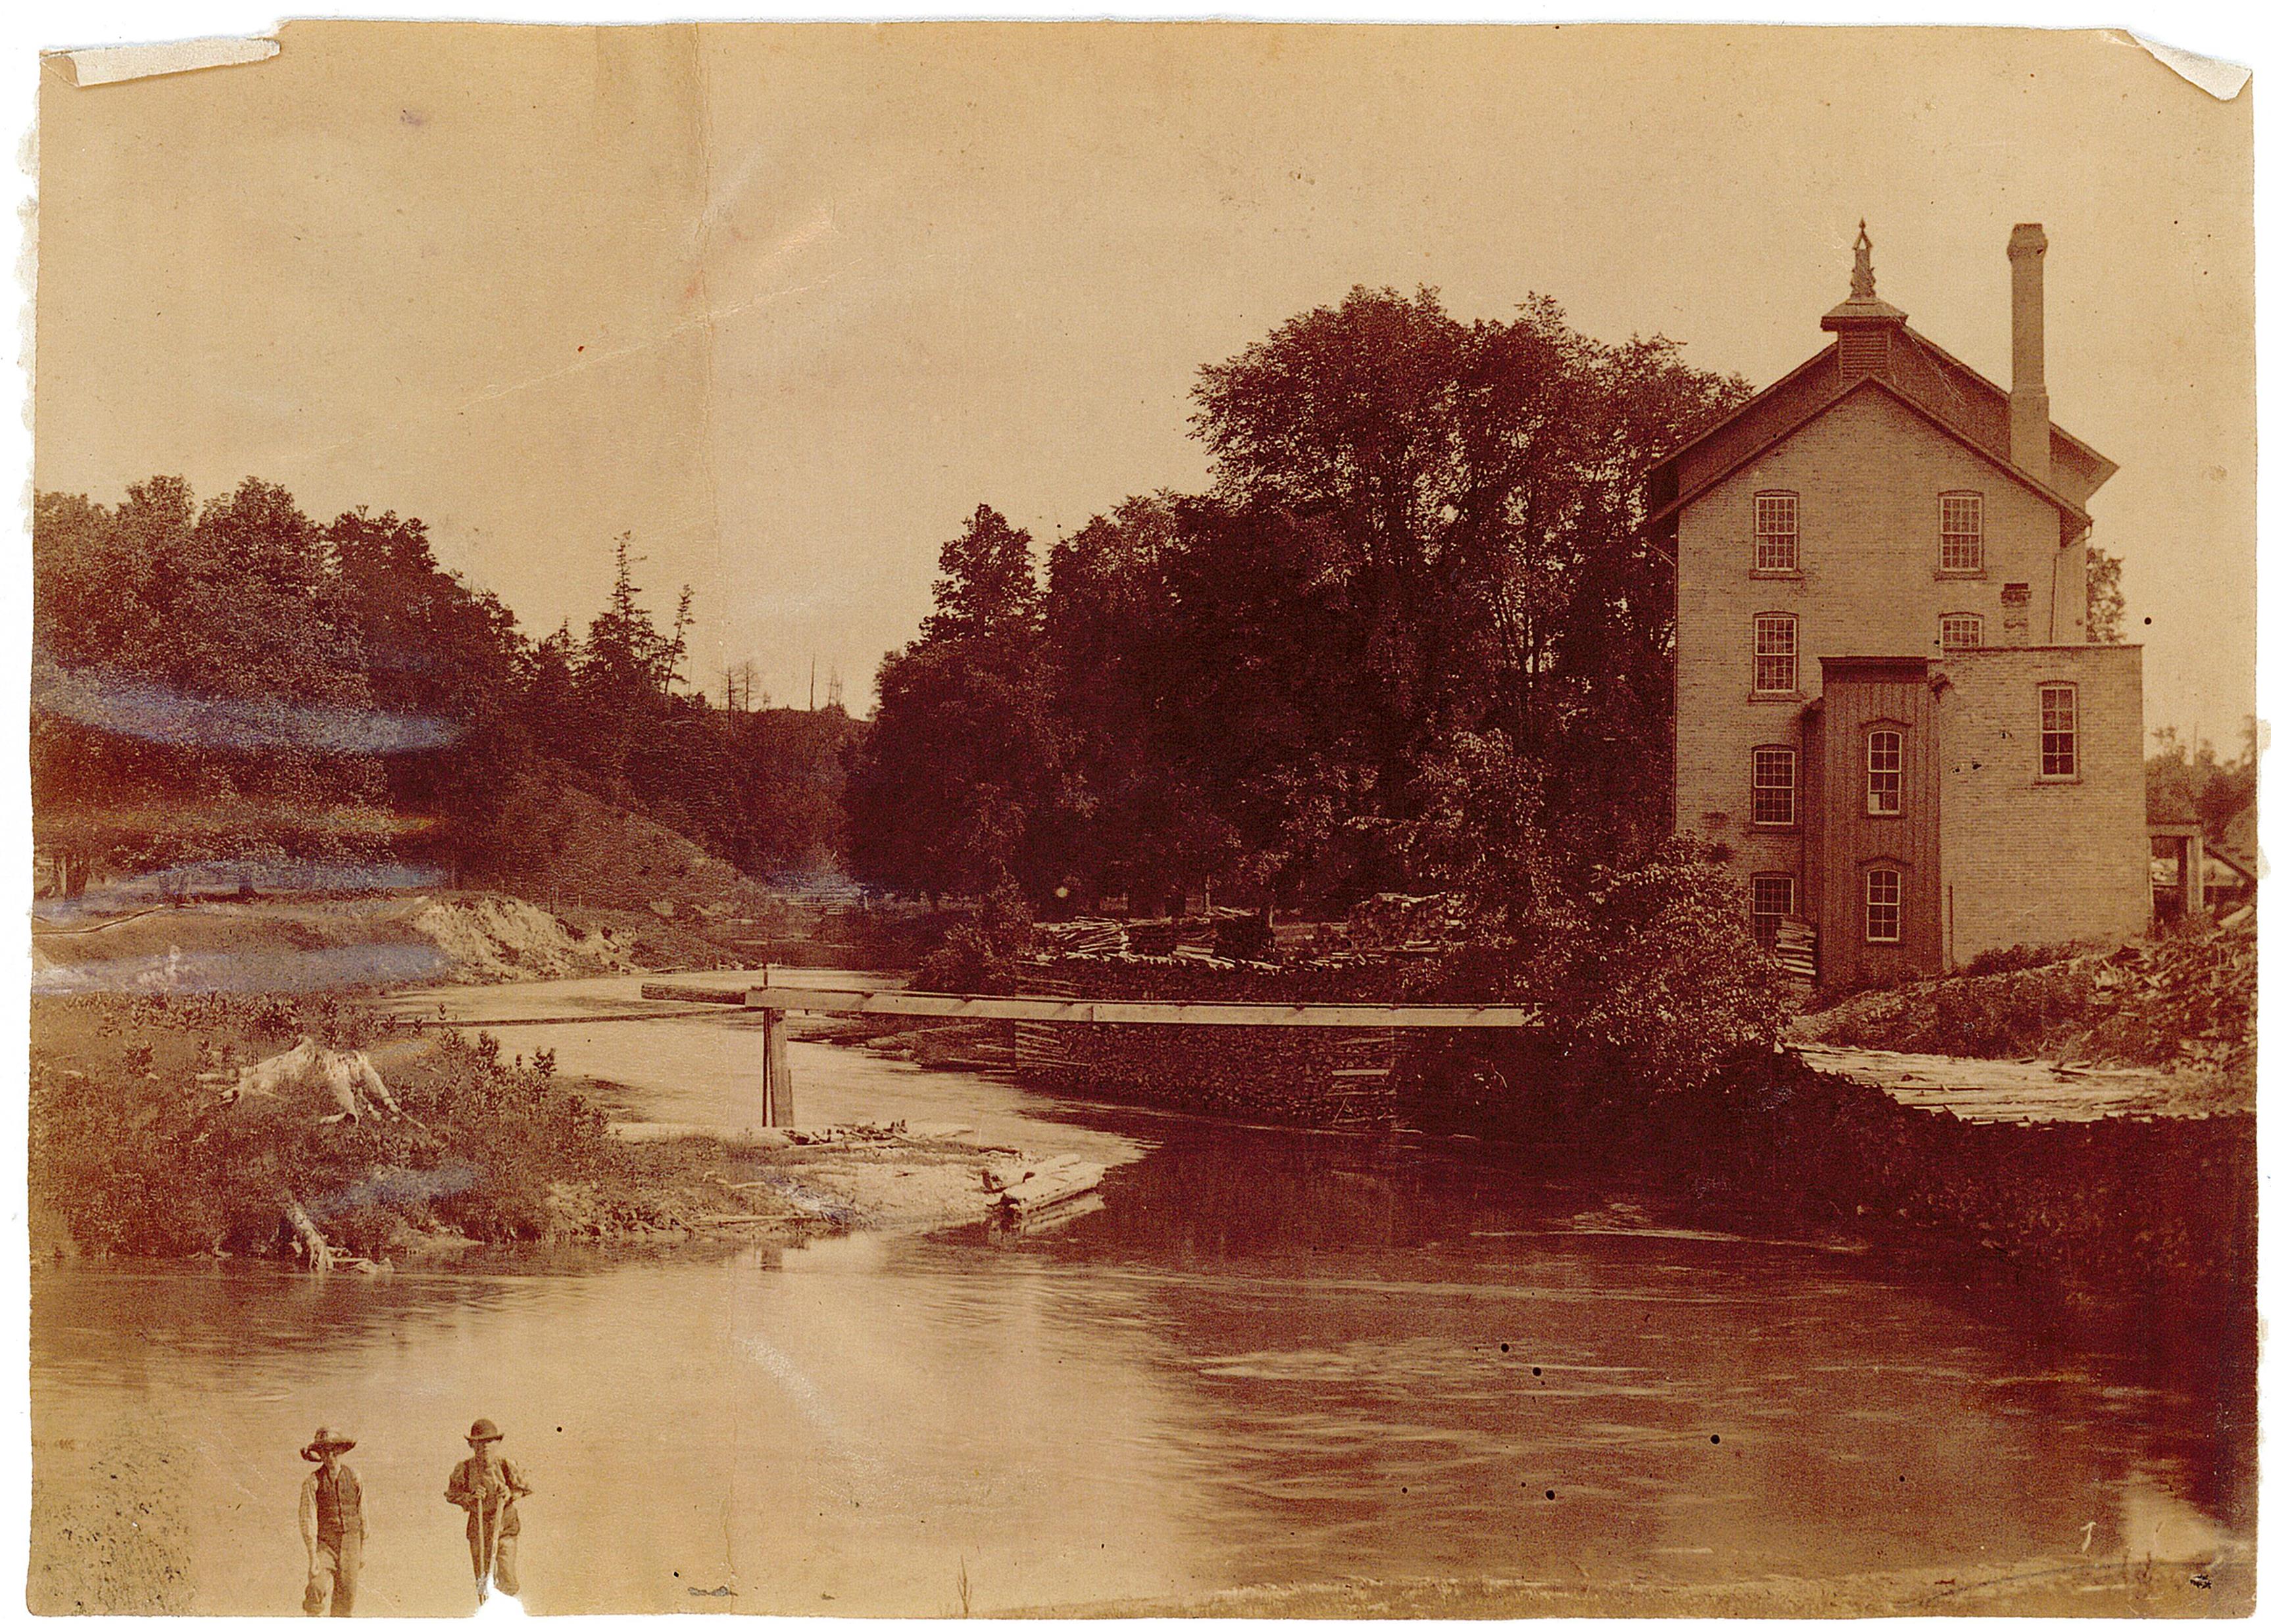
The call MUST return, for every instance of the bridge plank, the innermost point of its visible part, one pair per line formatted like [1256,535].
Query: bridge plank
[1138,1012]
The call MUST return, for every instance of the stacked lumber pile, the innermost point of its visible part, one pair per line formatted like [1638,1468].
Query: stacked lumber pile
[1083,937]
[1220,936]
[2028,1091]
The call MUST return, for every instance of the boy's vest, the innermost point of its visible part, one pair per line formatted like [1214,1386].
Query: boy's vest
[339,1505]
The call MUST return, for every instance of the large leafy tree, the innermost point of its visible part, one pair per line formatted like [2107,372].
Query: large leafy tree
[2106,603]
[1420,530]
[957,775]
[1133,818]
[1463,505]
[440,652]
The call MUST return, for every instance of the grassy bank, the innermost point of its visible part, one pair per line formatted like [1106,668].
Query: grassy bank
[136,1151]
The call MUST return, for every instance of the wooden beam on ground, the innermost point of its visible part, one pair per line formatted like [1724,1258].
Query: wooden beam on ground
[1146,1013]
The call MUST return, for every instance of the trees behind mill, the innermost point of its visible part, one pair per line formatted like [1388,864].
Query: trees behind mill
[1421,533]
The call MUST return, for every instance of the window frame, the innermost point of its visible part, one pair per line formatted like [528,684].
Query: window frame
[1871,905]
[1763,503]
[1759,655]
[2071,733]
[1889,799]
[1787,789]
[1790,883]
[1977,622]
[1955,505]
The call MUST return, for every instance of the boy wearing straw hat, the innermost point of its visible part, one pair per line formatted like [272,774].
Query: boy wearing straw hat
[331,1526]
[488,1487]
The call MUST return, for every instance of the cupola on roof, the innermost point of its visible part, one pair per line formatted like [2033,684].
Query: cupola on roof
[1862,307]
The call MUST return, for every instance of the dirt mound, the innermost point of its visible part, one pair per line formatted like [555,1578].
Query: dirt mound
[493,938]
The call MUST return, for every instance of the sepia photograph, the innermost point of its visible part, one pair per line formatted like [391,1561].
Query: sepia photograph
[977,819]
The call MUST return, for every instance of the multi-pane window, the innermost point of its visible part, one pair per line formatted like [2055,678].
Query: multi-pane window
[1774,539]
[1774,784]
[1774,662]
[2057,731]
[1961,631]
[1960,523]
[1881,904]
[1884,772]
[1773,898]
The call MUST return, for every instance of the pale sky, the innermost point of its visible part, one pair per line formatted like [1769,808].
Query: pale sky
[788,301]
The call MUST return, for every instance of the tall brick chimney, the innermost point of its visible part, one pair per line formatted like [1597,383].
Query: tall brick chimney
[2030,400]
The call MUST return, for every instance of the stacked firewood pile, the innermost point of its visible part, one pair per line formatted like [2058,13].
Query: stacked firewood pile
[1307,1077]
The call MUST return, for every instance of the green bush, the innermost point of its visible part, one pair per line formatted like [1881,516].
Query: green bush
[1652,976]
[980,956]
[1996,960]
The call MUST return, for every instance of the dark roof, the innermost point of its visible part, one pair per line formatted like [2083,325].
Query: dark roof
[1896,667]
[1919,375]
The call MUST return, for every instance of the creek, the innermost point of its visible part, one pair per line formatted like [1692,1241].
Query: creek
[1265,1357]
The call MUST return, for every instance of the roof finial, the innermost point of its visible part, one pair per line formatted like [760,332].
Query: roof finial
[1865,277]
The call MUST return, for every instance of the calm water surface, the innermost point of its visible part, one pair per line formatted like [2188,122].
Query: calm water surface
[1266,1357]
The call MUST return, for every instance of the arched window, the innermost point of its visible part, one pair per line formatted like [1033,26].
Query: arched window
[1961,520]
[1773,898]
[1774,531]
[1962,632]
[1881,905]
[2060,759]
[1774,785]
[1884,771]
[1774,653]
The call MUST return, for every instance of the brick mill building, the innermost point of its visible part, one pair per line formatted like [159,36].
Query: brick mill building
[1888,715]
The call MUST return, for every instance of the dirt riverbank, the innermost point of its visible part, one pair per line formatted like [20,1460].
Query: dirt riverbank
[313,946]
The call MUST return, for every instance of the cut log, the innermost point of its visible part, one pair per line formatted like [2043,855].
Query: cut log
[1007,1175]
[1045,1190]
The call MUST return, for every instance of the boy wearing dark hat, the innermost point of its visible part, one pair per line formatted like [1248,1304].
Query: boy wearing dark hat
[331,1526]
[488,1487]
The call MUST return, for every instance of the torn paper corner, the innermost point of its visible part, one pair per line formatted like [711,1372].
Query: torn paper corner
[2220,78]
[111,64]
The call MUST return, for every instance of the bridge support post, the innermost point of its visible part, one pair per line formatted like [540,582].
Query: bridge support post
[778,1107]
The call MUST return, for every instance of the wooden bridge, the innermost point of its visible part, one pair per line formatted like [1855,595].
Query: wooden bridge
[778,1003]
